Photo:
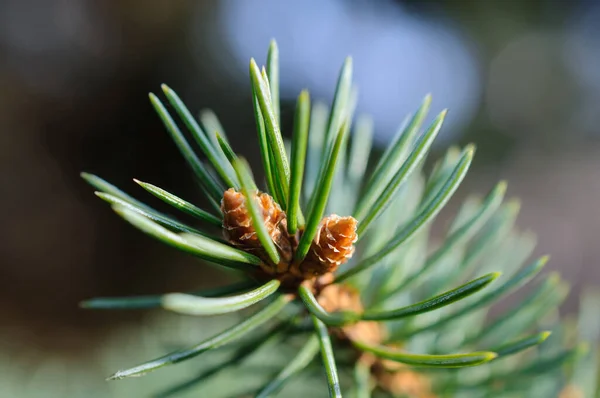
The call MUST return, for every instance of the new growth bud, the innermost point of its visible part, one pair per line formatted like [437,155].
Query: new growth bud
[238,229]
[333,245]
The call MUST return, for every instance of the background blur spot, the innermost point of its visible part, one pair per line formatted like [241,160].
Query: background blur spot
[399,56]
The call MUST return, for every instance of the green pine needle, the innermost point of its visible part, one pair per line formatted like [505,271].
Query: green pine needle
[362,380]
[243,351]
[339,109]
[226,173]
[104,186]
[503,322]
[533,368]
[211,124]
[197,245]
[226,149]
[394,156]
[459,236]
[495,231]
[305,356]
[329,364]
[154,301]
[231,334]
[301,125]
[330,319]
[518,280]
[320,196]
[265,151]
[212,188]
[195,305]
[249,190]
[422,218]
[435,361]
[521,344]
[316,141]
[273,76]
[433,303]
[150,214]
[180,204]
[280,169]
[366,211]
[360,151]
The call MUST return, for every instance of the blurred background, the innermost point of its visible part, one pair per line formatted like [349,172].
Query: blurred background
[521,80]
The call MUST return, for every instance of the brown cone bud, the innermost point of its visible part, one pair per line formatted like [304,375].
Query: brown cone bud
[405,383]
[338,297]
[333,245]
[238,229]
[571,391]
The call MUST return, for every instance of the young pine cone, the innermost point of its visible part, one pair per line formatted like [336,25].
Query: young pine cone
[238,229]
[332,246]
[571,391]
[405,383]
[339,297]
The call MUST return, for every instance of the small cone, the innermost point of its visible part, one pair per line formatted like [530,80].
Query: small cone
[405,383]
[237,223]
[338,297]
[333,245]
[571,391]
[239,231]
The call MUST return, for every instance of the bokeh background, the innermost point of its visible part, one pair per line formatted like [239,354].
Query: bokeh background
[521,80]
